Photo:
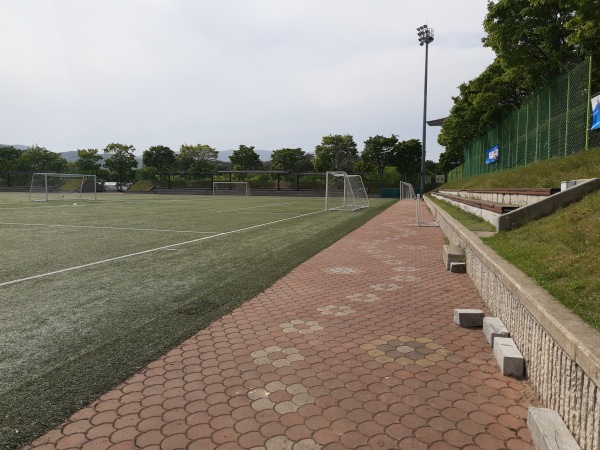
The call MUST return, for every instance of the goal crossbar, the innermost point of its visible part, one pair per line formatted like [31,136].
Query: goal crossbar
[48,186]
[343,191]
[231,188]
[407,191]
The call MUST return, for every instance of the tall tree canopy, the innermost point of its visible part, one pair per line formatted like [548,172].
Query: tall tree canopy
[336,152]
[379,152]
[245,158]
[8,160]
[197,158]
[40,159]
[481,103]
[530,36]
[88,161]
[534,40]
[159,157]
[121,161]
[292,159]
[407,157]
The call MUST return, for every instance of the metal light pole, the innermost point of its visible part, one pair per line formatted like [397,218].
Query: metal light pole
[425,38]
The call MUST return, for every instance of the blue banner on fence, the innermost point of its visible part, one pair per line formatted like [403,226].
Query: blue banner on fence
[596,113]
[493,154]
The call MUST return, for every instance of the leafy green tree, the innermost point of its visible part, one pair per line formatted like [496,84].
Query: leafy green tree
[121,161]
[159,157]
[584,35]
[8,159]
[245,158]
[530,36]
[407,157]
[379,152]
[40,159]
[197,158]
[432,166]
[481,103]
[336,152]
[584,26]
[292,159]
[87,161]
[368,169]
[223,165]
[534,40]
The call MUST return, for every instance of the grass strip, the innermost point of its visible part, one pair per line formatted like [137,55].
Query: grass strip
[560,252]
[542,174]
[471,221]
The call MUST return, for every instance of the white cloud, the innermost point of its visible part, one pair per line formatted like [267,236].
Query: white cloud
[268,73]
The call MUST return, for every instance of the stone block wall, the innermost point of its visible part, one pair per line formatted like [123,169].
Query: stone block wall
[562,353]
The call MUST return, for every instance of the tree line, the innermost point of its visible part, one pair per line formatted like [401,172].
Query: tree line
[534,41]
[381,154]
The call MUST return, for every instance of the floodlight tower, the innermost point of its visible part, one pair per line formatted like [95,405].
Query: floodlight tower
[425,38]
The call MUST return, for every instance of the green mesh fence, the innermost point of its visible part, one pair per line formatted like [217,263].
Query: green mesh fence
[552,123]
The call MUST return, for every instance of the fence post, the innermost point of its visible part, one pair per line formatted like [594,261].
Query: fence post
[589,106]
[549,118]
[537,128]
[567,112]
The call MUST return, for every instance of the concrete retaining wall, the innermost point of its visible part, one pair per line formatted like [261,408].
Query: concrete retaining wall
[489,216]
[497,197]
[534,206]
[561,351]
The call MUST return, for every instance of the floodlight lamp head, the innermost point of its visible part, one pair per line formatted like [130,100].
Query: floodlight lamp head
[425,35]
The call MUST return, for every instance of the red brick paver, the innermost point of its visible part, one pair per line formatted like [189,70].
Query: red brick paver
[354,349]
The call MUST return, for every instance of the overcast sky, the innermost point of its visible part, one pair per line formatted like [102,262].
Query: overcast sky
[78,74]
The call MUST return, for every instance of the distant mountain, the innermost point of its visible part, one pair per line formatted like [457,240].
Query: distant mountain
[19,147]
[71,156]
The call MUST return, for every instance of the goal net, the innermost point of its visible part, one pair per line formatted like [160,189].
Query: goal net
[343,191]
[231,188]
[62,186]
[407,191]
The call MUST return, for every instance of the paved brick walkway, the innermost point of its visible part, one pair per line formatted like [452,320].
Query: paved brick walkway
[354,349]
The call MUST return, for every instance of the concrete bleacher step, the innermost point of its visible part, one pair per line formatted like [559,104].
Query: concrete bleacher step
[499,208]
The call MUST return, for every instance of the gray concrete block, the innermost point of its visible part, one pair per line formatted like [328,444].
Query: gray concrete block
[458,267]
[548,431]
[453,253]
[509,357]
[468,318]
[493,328]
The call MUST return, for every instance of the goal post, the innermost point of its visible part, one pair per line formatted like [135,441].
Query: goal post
[240,188]
[343,191]
[62,186]
[407,191]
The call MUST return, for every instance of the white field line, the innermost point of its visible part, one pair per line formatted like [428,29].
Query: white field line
[264,213]
[104,228]
[165,247]
[261,206]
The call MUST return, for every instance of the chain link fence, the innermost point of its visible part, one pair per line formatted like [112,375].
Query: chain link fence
[552,123]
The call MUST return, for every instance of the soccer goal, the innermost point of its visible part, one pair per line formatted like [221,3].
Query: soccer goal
[421,223]
[407,191]
[231,188]
[62,186]
[343,191]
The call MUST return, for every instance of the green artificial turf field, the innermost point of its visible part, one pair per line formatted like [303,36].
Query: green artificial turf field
[91,291]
